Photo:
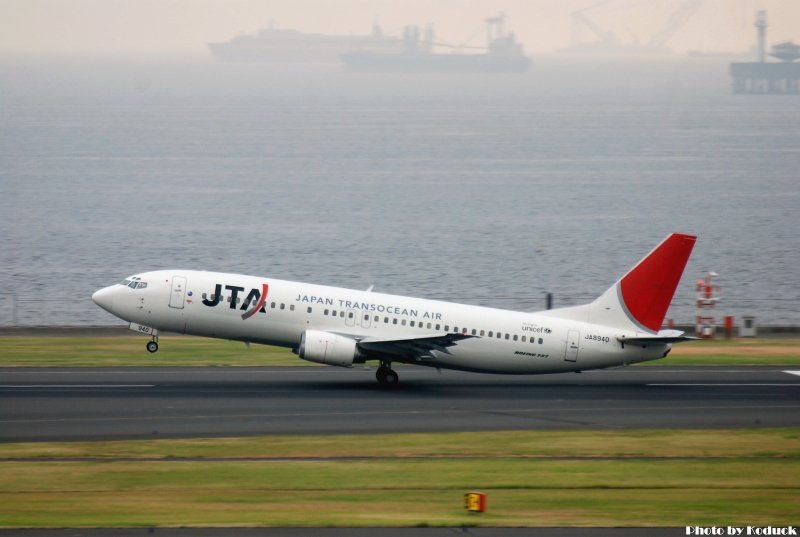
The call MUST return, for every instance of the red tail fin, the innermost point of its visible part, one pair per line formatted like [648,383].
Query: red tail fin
[647,289]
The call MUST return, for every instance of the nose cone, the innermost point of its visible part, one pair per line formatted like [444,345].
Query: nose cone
[105,298]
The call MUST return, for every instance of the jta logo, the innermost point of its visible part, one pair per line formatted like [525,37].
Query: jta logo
[256,296]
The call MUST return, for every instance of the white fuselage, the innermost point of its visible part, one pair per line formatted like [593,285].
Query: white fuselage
[217,305]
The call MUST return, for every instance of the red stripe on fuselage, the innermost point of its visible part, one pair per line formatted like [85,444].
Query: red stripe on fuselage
[250,313]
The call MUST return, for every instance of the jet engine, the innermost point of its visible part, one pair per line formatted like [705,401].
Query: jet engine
[329,349]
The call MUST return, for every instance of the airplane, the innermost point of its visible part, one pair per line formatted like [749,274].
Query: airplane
[344,327]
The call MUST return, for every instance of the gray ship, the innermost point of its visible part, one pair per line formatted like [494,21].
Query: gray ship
[502,54]
[276,45]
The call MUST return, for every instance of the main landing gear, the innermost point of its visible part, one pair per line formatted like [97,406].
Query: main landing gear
[152,346]
[386,375]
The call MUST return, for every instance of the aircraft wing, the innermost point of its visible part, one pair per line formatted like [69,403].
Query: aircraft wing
[415,348]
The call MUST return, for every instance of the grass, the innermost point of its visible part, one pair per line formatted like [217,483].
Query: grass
[561,478]
[553,444]
[195,351]
[128,351]
[595,478]
[743,352]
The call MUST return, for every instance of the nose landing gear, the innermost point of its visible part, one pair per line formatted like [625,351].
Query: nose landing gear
[386,376]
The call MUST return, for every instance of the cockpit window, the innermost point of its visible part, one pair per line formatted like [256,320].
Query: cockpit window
[134,282]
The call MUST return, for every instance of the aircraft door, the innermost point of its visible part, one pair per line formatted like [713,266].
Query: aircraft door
[573,342]
[366,320]
[177,295]
[357,318]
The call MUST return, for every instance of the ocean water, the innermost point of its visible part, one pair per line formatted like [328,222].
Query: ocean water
[490,190]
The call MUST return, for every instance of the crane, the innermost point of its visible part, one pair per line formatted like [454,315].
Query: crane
[579,18]
[675,22]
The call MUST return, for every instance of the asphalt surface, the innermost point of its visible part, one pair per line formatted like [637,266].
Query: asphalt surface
[117,403]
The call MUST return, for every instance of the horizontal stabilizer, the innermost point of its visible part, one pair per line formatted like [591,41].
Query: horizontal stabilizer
[665,336]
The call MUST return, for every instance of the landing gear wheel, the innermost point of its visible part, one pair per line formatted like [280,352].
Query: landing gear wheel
[391,378]
[152,346]
[387,376]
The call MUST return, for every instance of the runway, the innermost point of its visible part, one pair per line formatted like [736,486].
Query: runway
[118,403]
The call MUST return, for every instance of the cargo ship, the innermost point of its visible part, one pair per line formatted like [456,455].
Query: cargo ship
[502,54]
[279,45]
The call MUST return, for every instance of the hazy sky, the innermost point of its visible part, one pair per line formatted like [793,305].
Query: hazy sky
[108,27]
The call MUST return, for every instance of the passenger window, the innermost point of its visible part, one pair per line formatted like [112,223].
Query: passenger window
[507,336]
[272,305]
[499,335]
[523,339]
[491,333]
[394,321]
[455,329]
[412,324]
[515,337]
[350,315]
[541,341]
[403,322]
[309,309]
[283,306]
[386,320]
[482,332]
[438,326]
[366,317]
[447,328]
[327,312]
[474,332]
[334,313]
[341,314]
[291,308]
[377,319]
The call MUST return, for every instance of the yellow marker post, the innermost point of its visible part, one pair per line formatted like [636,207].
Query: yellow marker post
[475,502]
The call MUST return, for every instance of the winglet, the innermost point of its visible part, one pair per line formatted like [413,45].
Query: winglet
[647,289]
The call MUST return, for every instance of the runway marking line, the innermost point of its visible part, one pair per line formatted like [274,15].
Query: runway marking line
[793,372]
[735,384]
[61,386]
